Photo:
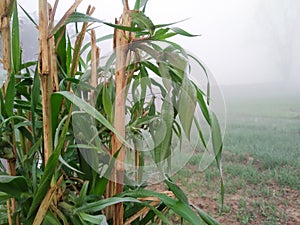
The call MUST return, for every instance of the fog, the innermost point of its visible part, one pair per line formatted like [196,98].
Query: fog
[241,42]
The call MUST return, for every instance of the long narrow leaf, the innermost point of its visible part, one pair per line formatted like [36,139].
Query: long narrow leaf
[207,219]
[13,185]
[35,99]
[187,105]
[179,207]
[16,48]
[48,172]
[217,142]
[182,32]
[10,96]
[29,16]
[86,107]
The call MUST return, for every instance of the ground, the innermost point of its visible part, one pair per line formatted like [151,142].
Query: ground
[261,161]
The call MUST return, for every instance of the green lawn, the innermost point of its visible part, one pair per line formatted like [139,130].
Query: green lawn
[261,164]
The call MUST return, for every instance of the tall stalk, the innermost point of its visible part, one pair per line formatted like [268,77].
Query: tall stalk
[121,39]
[6,37]
[45,75]
[6,8]
[95,61]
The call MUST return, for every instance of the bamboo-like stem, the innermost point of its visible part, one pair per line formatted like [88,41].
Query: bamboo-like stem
[121,40]
[95,57]
[52,55]
[44,206]
[45,77]
[5,17]
[65,17]
[6,39]
[9,217]
[78,44]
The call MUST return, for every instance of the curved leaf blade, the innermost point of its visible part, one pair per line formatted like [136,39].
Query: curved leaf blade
[13,185]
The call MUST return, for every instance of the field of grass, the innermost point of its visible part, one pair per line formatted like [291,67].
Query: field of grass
[261,164]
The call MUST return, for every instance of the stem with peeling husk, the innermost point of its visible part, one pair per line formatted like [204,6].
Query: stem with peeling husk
[95,61]
[53,64]
[121,40]
[45,77]
[78,44]
[6,38]
[6,8]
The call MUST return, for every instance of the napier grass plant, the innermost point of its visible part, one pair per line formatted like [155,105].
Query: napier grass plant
[68,125]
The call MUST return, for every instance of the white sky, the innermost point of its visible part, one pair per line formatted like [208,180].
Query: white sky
[243,41]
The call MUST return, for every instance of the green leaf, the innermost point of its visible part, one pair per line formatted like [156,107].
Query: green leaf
[165,74]
[187,105]
[35,147]
[61,48]
[77,17]
[101,183]
[35,99]
[199,129]
[203,105]
[50,219]
[206,74]
[83,193]
[137,5]
[180,195]
[61,159]
[217,142]
[206,218]
[140,20]
[56,102]
[168,24]
[10,96]
[86,107]
[161,37]
[16,48]
[69,55]
[180,208]
[147,49]
[140,4]
[163,140]
[107,103]
[49,171]
[10,7]
[4,197]
[98,219]
[29,16]
[106,37]
[13,185]
[2,106]
[216,134]
[180,31]
[101,204]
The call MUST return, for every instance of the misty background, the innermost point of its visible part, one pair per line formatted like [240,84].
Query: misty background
[245,43]
[242,41]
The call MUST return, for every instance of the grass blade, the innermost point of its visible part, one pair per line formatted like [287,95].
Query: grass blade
[10,96]
[13,185]
[49,171]
[91,111]
[177,206]
[29,16]
[16,48]
[187,105]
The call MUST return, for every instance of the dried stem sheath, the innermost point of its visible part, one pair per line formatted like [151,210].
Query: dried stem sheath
[5,17]
[6,38]
[95,56]
[45,77]
[121,46]
[53,58]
